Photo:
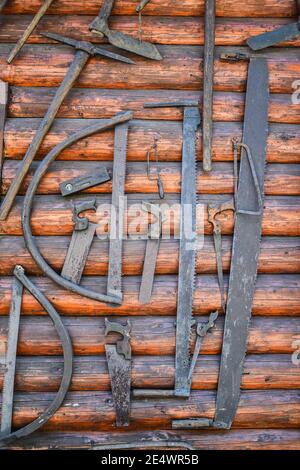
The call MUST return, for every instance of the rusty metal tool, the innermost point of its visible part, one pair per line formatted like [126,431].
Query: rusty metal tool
[80,183]
[288,32]
[213,211]
[81,241]
[201,331]
[6,434]
[30,28]
[245,249]
[119,367]
[100,26]
[152,248]
[157,177]
[11,356]
[83,52]
[28,203]
[3,111]
[114,279]
[141,5]
[208,80]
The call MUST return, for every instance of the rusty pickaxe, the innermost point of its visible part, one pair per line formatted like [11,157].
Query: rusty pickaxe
[100,26]
[83,52]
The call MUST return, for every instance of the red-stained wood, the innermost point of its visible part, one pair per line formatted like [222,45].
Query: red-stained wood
[274,295]
[53,216]
[27,102]
[151,336]
[189,30]
[281,180]
[255,8]
[277,255]
[236,439]
[181,69]
[94,411]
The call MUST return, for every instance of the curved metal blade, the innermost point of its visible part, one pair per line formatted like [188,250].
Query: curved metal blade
[123,41]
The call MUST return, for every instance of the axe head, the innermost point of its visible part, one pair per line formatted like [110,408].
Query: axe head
[87,47]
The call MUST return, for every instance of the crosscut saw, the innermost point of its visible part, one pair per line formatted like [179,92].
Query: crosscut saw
[121,40]
[288,32]
[245,249]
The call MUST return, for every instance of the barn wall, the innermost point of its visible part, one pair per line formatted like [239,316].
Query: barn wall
[269,412]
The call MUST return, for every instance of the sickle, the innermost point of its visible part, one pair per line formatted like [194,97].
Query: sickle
[27,208]
[68,361]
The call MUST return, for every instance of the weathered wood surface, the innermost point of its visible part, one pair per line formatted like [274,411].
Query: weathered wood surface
[283,140]
[280,179]
[53,216]
[154,336]
[278,255]
[255,8]
[94,411]
[46,65]
[43,374]
[30,102]
[236,439]
[158,31]
[275,295]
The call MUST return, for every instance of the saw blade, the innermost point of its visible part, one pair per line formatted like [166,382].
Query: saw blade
[246,246]
[187,253]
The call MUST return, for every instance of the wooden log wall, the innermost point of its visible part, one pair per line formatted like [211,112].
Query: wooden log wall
[269,413]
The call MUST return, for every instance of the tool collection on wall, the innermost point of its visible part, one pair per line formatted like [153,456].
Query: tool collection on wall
[247,206]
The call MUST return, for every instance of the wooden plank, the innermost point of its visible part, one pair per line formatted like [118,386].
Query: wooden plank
[255,8]
[151,336]
[275,295]
[31,102]
[52,215]
[283,141]
[189,30]
[43,374]
[31,71]
[278,255]
[95,410]
[241,439]
[281,180]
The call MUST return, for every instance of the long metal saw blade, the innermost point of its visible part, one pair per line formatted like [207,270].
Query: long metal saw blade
[288,32]
[114,282]
[11,355]
[3,110]
[246,247]
[187,253]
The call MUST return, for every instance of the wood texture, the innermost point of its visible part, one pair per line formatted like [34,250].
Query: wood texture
[283,141]
[255,8]
[53,216]
[284,69]
[275,295]
[236,439]
[42,374]
[94,411]
[151,336]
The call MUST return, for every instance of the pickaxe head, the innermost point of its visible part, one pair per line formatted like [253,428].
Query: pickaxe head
[87,47]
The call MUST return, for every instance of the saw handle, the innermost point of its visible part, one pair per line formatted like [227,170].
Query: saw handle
[123,345]
[81,223]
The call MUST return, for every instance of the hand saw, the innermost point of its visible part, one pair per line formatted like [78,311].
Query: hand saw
[121,40]
[245,250]
[288,32]
[3,111]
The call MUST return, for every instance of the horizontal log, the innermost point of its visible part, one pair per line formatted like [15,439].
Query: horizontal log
[26,102]
[283,140]
[255,8]
[154,336]
[277,255]
[181,69]
[94,411]
[52,215]
[236,439]
[274,295]
[42,374]
[228,32]
[282,180]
